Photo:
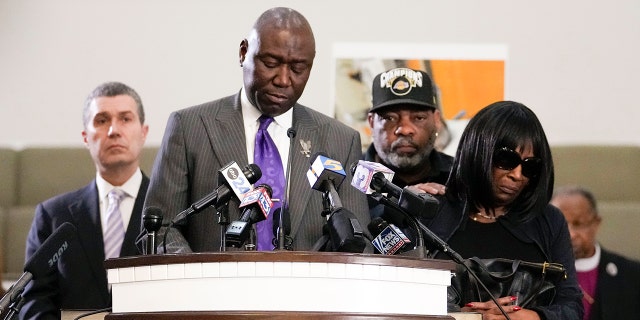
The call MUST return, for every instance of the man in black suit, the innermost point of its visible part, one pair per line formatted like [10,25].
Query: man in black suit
[276,60]
[609,281]
[114,132]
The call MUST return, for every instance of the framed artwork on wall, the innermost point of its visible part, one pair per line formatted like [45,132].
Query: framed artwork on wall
[466,78]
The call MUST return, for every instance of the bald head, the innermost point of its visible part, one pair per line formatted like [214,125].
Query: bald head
[276,60]
[579,208]
[282,18]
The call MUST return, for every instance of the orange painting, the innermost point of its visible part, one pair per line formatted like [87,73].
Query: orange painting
[467,86]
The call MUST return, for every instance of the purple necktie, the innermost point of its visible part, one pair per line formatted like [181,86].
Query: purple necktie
[266,156]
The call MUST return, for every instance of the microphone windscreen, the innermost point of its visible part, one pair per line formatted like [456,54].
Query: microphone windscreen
[376,226]
[51,250]
[291,133]
[152,218]
[267,188]
[345,232]
[253,172]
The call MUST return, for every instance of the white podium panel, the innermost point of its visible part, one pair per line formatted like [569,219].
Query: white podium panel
[280,281]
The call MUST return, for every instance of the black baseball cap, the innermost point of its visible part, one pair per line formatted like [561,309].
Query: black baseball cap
[402,86]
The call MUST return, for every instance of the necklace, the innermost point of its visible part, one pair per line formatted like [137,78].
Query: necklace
[482,215]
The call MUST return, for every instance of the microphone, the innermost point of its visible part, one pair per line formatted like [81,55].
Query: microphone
[326,175]
[152,221]
[41,262]
[345,232]
[51,250]
[363,172]
[376,173]
[369,177]
[422,205]
[257,204]
[283,229]
[230,179]
[389,239]
[380,183]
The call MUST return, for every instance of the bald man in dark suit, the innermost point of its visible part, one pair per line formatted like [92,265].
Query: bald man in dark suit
[276,59]
[609,281]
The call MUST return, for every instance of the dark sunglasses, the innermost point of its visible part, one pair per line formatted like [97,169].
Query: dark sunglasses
[507,159]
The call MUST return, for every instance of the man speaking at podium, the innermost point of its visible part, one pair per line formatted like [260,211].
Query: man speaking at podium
[276,60]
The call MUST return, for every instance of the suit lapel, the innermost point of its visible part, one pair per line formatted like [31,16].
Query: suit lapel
[606,284]
[308,132]
[135,223]
[222,123]
[86,217]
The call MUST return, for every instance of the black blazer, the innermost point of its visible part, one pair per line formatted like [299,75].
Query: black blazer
[618,288]
[81,279]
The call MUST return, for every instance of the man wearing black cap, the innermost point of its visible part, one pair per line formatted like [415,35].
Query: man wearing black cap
[405,121]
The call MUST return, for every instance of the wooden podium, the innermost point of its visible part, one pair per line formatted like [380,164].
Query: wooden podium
[278,285]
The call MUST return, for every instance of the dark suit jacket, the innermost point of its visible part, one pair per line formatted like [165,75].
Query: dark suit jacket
[81,279]
[200,140]
[617,293]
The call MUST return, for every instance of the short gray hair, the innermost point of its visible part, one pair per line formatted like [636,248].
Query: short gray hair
[581,191]
[112,89]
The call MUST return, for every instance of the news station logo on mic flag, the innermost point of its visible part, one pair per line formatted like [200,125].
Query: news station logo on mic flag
[390,240]
[259,196]
[232,173]
[324,168]
[364,173]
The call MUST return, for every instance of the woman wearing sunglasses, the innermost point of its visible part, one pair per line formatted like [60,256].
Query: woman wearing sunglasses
[496,206]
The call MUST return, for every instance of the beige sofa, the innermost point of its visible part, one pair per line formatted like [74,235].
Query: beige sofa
[32,175]
[612,173]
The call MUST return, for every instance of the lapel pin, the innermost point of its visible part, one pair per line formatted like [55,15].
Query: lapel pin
[306,147]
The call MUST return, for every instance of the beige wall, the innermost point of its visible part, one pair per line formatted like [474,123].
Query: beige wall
[574,62]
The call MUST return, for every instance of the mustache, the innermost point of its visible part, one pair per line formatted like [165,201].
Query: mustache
[403,142]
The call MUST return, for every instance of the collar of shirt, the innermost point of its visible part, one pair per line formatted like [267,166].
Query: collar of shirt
[277,130]
[131,187]
[588,264]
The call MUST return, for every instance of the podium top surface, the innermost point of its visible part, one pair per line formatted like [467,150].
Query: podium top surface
[280,256]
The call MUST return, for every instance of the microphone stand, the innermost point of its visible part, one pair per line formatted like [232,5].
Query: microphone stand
[152,222]
[12,298]
[442,245]
[321,243]
[284,211]
[223,220]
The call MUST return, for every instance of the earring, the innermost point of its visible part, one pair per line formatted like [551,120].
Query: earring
[436,134]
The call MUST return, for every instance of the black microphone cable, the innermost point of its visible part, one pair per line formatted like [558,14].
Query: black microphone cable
[442,245]
[420,246]
[92,313]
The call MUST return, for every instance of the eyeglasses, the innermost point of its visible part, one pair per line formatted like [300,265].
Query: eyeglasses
[507,159]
